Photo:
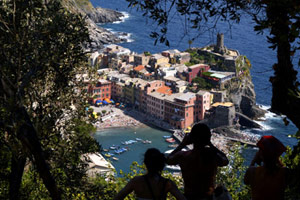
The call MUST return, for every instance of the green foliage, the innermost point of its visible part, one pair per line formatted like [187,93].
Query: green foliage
[292,162]
[147,53]
[41,55]
[195,57]
[232,176]
[202,83]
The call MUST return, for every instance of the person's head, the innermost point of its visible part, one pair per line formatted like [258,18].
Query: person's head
[270,149]
[154,160]
[200,134]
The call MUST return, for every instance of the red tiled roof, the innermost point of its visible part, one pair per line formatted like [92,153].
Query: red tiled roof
[139,68]
[164,90]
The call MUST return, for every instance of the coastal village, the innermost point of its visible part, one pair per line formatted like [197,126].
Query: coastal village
[163,85]
[171,89]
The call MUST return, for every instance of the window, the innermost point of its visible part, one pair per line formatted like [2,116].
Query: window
[106,95]
[103,90]
[187,114]
[102,95]
[106,89]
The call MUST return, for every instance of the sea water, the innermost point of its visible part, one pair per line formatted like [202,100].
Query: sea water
[115,136]
[238,36]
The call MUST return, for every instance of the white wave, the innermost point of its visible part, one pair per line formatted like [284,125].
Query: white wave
[269,114]
[123,18]
[264,107]
[265,126]
[126,37]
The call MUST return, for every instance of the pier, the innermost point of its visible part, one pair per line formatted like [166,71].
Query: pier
[178,134]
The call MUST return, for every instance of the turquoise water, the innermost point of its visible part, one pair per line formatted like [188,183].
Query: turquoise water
[116,136]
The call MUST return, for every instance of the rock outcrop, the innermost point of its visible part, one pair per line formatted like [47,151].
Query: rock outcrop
[103,15]
[241,93]
[98,36]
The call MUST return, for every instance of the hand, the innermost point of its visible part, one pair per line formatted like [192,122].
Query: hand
[257,159]
[186,140]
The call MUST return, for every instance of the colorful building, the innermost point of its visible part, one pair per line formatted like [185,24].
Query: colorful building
[195,70]
[179,109]
[202,104]
[155,105]
[100,91]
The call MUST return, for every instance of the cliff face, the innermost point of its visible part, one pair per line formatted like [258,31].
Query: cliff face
[241,92]
[98,36]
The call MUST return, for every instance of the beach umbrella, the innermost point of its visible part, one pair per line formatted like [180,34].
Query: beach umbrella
[104,102]
[107,100]
[112,101]
[98,102]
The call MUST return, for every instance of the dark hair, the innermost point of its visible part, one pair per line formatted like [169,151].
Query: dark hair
[154,160]
[200,134]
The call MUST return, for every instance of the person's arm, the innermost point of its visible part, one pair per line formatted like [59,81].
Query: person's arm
[172,188]
[172,159]
[222,159]
[257,159]
[125,191]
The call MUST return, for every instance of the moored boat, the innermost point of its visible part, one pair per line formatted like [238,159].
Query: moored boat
[115,158]
[173,145]
[147,141]
[109,155]
[170,140]
[113,147]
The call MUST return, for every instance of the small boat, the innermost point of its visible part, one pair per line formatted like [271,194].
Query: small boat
[129,142]
[147,141]
[173,145]
[106,150]
[170,140]
[138,139]
[166,136]
[113,147]
[121,150]
[115,158]
[109,155]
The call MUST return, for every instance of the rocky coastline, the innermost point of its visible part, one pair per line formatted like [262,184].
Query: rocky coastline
[93,16]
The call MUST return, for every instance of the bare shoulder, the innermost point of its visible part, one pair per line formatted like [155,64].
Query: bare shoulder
[137,179]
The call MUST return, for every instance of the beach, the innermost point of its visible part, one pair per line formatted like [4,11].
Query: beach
[129,118]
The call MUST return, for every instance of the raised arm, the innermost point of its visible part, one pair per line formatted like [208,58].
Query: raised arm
[222,159]
[125,191]
[174,157]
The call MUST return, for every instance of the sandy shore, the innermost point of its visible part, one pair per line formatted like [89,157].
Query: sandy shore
[116,118]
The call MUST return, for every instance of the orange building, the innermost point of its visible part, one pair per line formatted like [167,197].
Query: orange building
[100,91]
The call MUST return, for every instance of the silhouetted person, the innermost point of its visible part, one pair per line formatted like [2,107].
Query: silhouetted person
[199,165]
[151,186]
[268,179]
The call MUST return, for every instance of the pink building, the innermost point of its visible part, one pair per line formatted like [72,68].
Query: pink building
[150,87]
[155,105]
[100,91]
[202,104]
[196,70]
[179,109]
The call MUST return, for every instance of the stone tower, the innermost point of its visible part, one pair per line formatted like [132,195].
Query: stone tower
[220,48]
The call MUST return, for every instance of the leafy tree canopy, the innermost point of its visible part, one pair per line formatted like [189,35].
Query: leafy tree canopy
[41,111]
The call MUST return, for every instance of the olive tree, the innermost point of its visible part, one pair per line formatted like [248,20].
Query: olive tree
[41,113]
